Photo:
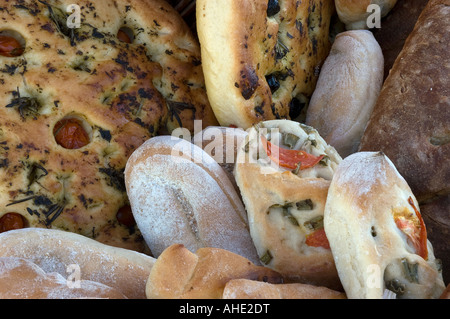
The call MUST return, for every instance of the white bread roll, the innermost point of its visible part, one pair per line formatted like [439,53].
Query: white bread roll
[22,279]
[376,232]
[347,90]
[181,274]
[355,13]
[55,250]
[180,195]
[252,289]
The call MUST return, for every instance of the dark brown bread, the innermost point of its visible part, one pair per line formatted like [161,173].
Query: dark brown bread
[411,120]
[395,28]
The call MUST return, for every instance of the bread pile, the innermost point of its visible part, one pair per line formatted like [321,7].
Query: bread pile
[272,157]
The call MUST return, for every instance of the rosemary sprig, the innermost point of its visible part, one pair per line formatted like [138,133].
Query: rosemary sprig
[26,106]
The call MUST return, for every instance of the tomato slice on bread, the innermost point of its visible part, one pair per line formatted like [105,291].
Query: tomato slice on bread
[414,228]
[290,158]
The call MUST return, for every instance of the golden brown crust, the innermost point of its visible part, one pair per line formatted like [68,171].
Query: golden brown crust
[123,92]
[251,289]
[22,279]
[354,13]
[55,251]
[180,273]
[287,47]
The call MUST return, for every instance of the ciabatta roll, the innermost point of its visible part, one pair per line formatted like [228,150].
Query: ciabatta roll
[376,232]
[285,204]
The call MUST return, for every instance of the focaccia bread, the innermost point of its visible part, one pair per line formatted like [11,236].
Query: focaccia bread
[76,102]
[179,273]
[22,279]
[71,255]
[355,13]
[285,199]
[376,232]
[261,59]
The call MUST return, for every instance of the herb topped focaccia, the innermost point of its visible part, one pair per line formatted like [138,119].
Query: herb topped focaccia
[283,171]
[261,58]
[76,102]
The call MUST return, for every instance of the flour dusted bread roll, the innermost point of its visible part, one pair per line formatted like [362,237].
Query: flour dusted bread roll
[347,90]
[181,274]
[180,195]
[376,233]
[252,289]
[22,279]
[260,58]
[355,13]
[54,251]
[285,194]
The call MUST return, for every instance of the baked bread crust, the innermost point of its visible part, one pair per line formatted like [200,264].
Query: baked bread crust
[179,273]
[244,64]
[281,205]
[354,12]
[122,92]
[22,279]
[180,195]
[410,121]
[252,289]
[55,250]
[366,197]
[347,90]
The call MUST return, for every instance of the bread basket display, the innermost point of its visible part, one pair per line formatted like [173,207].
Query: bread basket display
[224,149]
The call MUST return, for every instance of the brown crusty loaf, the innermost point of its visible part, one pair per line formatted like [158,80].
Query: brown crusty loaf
[252,289]
[22,279]
[123,93]
[410,122]
[180,195]
[376,233]
[396,27]
[179,273]
[55,250]
[261,59]
[354,13]
[347,90]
